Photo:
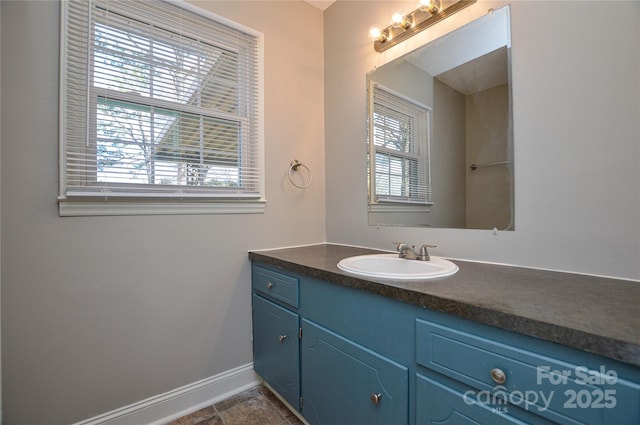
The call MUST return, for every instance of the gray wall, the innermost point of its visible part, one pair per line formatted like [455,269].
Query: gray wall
[576,128]
[102,312]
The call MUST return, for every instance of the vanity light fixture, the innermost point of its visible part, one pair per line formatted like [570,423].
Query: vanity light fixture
[404,26]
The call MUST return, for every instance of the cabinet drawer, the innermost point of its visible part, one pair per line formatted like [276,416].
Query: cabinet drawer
[276,285]
[556,389]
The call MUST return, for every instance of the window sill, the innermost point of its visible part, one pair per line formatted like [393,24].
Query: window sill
[400,208]
[79,208]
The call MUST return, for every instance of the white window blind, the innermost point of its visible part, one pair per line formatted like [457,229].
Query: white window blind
[158,102]
[399,136]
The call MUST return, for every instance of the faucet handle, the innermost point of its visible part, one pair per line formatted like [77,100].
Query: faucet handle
[399,245]
[423,253]
[402,248]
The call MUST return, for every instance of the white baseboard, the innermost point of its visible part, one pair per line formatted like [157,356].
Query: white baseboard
[181,401]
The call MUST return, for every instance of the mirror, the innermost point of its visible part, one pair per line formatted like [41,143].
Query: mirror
[440,133]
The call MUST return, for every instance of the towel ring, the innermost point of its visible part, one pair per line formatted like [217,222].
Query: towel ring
[293,166]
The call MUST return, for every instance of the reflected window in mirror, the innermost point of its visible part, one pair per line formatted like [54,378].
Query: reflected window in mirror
[399,154]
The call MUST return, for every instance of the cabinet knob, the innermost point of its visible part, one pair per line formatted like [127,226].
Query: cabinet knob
[282,338]
[375,398]
[269,285]
[498,376]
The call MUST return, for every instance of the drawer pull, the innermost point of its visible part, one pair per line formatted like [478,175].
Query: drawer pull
[498,376]
[269,285]
[282,338]
[375,398]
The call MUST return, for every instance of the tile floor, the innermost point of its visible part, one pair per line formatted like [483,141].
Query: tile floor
[256,406]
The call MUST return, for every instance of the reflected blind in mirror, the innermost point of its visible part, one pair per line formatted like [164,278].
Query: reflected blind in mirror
[399,149]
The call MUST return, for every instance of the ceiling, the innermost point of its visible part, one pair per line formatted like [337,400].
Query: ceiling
[320,4]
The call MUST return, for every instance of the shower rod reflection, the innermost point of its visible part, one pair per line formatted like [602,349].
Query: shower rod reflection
[488,164]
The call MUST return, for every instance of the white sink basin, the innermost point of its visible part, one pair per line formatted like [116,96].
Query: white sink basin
[390,266]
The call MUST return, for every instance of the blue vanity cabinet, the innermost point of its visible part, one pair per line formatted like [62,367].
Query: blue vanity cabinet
[329,370]
[276,346]
[361,358]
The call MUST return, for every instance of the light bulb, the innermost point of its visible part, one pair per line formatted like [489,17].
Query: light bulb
[400,20]
[377,34]
[374,32]
[397,19]
[429,6]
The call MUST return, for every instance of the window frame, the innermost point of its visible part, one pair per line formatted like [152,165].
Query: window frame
[177,199]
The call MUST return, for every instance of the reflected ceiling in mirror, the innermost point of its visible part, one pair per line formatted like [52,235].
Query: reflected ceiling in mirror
[456,170]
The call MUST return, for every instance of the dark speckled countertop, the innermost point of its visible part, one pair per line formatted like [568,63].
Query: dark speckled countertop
[590,313]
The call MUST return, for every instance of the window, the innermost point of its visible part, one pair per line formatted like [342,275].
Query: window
[161,111]
[399,136]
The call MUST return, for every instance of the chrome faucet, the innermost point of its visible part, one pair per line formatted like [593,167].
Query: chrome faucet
[408,252]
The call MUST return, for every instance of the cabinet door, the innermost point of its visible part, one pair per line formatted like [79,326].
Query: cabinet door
[442,402]
[276,348]
[345,383]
